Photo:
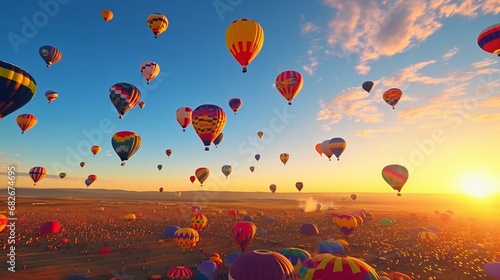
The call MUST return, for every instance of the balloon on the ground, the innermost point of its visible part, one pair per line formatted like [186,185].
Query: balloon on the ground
[261,264]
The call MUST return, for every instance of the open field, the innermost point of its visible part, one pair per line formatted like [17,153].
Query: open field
[95,218]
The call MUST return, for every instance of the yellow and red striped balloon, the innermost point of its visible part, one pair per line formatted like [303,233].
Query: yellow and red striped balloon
[26,121]
[198,221]
[244,40]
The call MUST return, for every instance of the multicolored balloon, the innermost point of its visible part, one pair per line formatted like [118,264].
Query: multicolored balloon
[489,39]
[51,95]
[396,176]
[17,88]
[50,55]
[289,83]
[226,170]
[337,146]
[26,121]
[199,221]
[296,257]
[202,174]
[328,266]
[244,40]
[124,97]
[243,232]
[208,122]
[184,117]
[392,96]
[179,272]
[346,223]
[186,237]
[149,70]
[158,23]
[37,173]
[235,104]
[106,15]
[126,144]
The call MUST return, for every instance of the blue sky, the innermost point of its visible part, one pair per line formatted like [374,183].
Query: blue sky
[427,49]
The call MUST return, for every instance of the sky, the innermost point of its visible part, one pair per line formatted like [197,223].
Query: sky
[444,129]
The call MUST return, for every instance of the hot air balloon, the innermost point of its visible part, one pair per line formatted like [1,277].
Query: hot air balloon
[284,157]
[299,186]
[309,229]
[318,149]
[92,178]
[199,221]
[218,139]
[392,96]
[489,39]
[17,88]
[186,238]
[50,227]
[124,97]
[396,176]
[331,247]
[296,257]
[37,173]
[159,166]
[202,174]
[184,116]
[95,149]
[87,182]
[226,170]
[260,134]
[208,270]
[252,168]
[289,83]
[192,179]
[346,223]
[261,264]
[179,272]
[244,40]
[82,164]
[51,95]
[325,148]
[107,15]
[26,121]
[50,55]
[273,188]
[62,175]
[328,266]
[149,70]
[243,232]
[427,236]
[367,86]
[168,152]
[235,104]
[353,197]
[126,144]
[161,189]
[492,269]
[208,122]
[337,146]
[158,23]
[142,104]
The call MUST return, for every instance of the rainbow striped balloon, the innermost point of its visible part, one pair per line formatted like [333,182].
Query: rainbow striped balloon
[328,266]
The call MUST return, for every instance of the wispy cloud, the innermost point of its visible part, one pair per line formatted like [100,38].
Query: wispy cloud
[484,63]
[451,53]
[374,29]
[369,133]
[352,103]
[309,27]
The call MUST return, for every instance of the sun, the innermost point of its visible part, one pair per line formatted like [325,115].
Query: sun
[477,185]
